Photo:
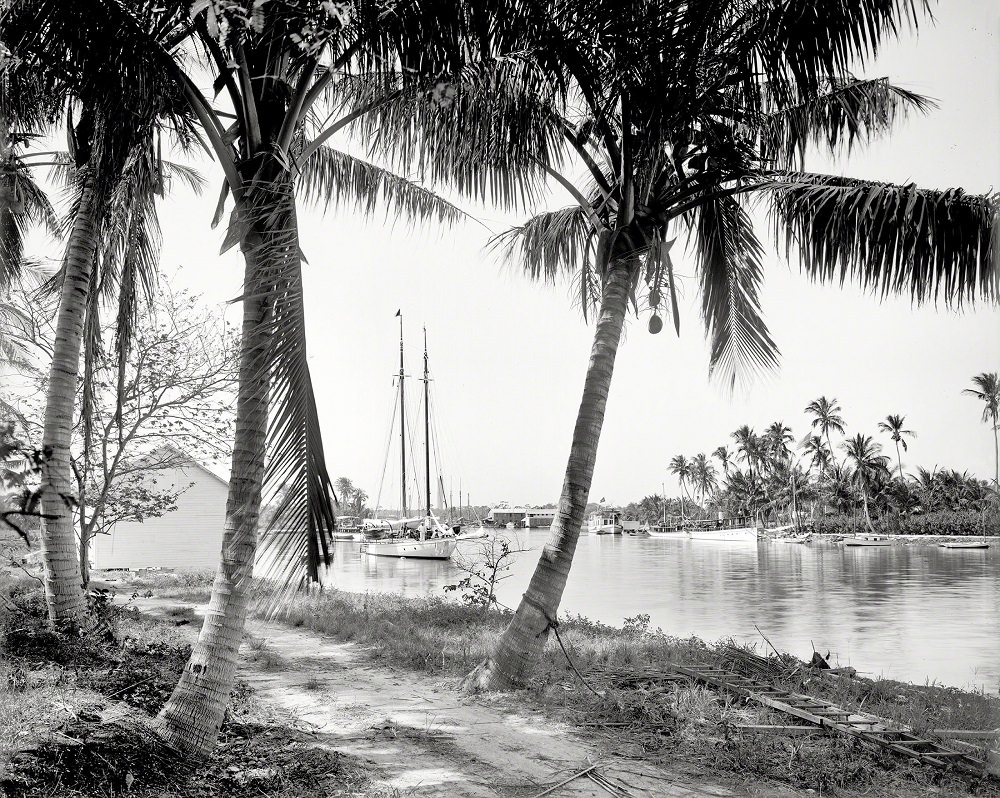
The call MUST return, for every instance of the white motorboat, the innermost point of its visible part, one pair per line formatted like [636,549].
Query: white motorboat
[868,540]
[740,534]
[604,522]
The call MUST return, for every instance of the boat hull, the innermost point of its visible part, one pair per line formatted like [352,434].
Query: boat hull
[963,545]
[867,542]
[738,534]
[433,549]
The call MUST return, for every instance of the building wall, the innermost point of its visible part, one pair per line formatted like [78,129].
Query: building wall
[189,538]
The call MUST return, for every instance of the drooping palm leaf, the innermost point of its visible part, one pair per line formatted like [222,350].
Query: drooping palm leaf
[331,177]
[730,273]
[891,239]
[848,111]
[549,245]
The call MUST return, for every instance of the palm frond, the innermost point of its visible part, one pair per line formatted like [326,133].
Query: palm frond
[847,112]
[482,132]
[23,204]
[295,474]
[730,274]
[332,177]
[549,245]
[891,239]
[797,46]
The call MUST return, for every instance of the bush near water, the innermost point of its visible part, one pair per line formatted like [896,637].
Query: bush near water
[946,523]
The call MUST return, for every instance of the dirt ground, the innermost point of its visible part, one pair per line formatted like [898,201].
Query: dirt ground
[425,738]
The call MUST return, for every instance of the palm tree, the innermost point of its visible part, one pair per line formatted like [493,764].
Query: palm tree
[869,468]
[776,439]
[681,112]
[893,425]
[748,446]
[111,137]
[725,459]
[826,417]
[278,64]
[703,476]
[816,448]
[988,390]
[681,468]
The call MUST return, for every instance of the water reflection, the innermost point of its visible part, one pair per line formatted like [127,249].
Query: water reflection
[910,612]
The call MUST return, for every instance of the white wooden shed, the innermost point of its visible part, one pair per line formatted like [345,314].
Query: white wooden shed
[188,538]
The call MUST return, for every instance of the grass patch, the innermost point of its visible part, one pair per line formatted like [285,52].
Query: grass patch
[660,720]
[193,586]
[75,712]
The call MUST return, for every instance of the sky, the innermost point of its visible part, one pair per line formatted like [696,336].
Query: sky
[508,356]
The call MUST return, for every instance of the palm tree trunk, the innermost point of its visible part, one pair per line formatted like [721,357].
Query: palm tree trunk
[522,643]
[64,596]
[191,719]
[996,454]
[899,457]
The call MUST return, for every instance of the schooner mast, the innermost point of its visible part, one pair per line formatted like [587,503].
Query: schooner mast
[402,420]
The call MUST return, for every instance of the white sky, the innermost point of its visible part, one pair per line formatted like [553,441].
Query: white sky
[509,356]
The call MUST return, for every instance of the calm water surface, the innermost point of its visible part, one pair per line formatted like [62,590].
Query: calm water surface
[910,612]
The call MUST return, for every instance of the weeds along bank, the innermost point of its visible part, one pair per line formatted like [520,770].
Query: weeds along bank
[673,723]
[579,681]
[73,712]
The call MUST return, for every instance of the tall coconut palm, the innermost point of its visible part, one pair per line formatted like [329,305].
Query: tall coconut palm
[776,439]
[725,459]
[681,468]
[869,468]
[893,425]
[826,417]
[681,112]
[748,446]
[988,391]
[112,124]
[285,66]
[819,455]
[703,476]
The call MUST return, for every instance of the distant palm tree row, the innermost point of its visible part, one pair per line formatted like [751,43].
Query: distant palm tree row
[762,476]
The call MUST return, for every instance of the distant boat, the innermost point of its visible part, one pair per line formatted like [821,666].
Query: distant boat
[868,540]
[604,522]
[736,534]
[418,538]
[723,530]
[965,544]
[348,528]
[634,528]
[805,537]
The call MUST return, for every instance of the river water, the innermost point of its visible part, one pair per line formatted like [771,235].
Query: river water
[911,612]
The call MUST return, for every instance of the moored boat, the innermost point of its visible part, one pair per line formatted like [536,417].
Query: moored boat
[964,544]
[423,537]
[604,522]
[744,534]
[868,540]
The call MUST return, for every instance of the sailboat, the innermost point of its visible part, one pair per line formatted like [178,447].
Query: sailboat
[421,537]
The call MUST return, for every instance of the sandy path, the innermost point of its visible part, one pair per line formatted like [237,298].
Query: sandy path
[424,738]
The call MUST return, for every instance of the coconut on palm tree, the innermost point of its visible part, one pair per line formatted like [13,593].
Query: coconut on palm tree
[680,114]
[893,425]
[988,391]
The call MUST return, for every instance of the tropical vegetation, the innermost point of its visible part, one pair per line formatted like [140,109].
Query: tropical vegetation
[677,114]
[837,496]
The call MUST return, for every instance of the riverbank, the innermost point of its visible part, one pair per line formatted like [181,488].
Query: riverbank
[676,725]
